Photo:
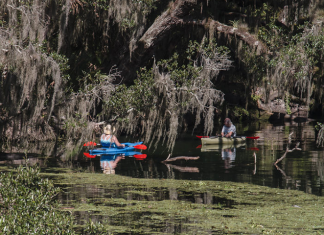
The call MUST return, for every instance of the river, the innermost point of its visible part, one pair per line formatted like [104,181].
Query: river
[252,162]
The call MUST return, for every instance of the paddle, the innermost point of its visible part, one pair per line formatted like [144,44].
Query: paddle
[253,149]
[248,137]
[140,156]
[89,155]
[90,144]
[139,146]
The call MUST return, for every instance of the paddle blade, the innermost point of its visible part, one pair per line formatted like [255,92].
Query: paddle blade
[201,136]
[88,155]
[253,137]
[140,156]
[140,146]
[253,149]
[90,143]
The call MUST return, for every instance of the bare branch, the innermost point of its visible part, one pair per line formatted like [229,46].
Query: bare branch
[287,149]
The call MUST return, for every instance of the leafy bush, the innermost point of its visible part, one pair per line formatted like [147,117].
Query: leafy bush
[27,206]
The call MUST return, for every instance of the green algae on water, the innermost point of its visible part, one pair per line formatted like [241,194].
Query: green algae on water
[164,206]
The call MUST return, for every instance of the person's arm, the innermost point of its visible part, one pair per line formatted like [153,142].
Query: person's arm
[118,159]
[117,142]
[229,134]
[222,132]
[232,131]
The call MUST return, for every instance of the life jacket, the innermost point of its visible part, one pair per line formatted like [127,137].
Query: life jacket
[107,143]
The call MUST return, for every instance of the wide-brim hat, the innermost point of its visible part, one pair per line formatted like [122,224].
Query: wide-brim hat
[109,130]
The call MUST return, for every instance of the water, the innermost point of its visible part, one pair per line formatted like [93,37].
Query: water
[252,162]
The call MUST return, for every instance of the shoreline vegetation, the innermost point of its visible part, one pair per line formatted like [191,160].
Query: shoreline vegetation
[120,204]
[154,68]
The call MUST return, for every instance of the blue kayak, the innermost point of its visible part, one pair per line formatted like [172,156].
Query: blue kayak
[107,150]
[110,157]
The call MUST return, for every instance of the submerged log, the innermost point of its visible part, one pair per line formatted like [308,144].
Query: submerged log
[183,169]
[180,158]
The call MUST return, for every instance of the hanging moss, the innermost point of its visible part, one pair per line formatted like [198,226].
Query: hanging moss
[160,97]
[59,58]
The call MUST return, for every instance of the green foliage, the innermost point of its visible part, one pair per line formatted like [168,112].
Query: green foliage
[101,4]
[287,102]
[303,53]
[263,11]
[74,124]
[255,97]
[300,52]
[319,126]
[95,228]
[25,2]
[184,71]
[273,35]
[181,74]
[173,87]
[63,61]
[138,96]
[127,24]
[96,4]
[3,23]
[254,64]
[91,79]
[27,207]
[240,112]
[142,94]
[119,100]
[234,23]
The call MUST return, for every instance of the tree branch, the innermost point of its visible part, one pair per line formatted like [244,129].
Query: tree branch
[287,149]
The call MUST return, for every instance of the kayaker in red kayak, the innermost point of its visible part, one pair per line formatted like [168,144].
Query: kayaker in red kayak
[229,130]
[108,139]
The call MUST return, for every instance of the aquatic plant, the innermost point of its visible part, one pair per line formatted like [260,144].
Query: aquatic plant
[27,204]
[132,205]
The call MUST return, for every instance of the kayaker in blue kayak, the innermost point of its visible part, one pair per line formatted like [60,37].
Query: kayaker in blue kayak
[108,139]
[229,130]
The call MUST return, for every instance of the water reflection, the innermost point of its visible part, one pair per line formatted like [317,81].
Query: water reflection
[108,162]
[20,159]
[228,152]
[228,155]
[249,163]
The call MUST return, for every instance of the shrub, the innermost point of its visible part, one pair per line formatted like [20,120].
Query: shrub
[27,205]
